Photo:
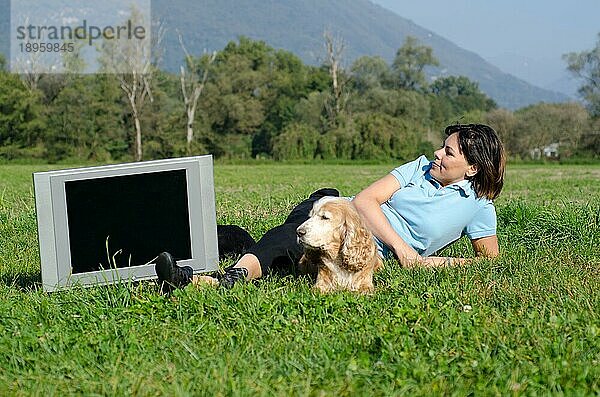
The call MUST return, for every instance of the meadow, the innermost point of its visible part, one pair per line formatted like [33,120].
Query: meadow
[527,323]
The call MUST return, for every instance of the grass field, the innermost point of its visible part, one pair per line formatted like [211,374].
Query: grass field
[527,323]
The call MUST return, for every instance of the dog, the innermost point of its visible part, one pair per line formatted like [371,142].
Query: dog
[340,247]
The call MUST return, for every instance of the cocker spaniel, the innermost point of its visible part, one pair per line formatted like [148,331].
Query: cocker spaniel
[340,247]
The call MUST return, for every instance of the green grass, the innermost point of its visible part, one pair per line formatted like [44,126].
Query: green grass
[527,323]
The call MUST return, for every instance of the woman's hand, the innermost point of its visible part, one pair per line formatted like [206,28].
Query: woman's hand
[485,247]
[443,261]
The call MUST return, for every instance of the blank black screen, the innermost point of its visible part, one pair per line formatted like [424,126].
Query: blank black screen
[143,215]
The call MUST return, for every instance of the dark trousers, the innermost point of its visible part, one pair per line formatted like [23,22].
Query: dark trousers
[278,250]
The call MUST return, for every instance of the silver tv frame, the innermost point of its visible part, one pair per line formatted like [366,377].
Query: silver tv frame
[52,219]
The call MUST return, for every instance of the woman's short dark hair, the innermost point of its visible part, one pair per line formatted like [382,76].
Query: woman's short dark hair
[481,146]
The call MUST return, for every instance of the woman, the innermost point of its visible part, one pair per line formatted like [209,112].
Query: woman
[417,209]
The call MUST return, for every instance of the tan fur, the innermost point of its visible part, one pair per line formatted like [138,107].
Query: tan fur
[338,244]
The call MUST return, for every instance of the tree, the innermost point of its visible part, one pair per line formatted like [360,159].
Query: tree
[133,62]
[409,64]
[504,122]
[236,90]
[192,87]
[21,115]
[368,73]
[164,121]
[590,140]
[74,61]
[85,120]
[297,141]
[290,81]
[335,47]
[411,106]
[32,65]
[311,111]
[454,96]
[543,124]
[252,92]
[585,65]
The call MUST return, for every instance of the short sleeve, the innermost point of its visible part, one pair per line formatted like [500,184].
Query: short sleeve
[483,224]
[407,172]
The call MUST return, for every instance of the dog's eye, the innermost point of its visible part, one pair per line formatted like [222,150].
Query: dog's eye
[325,217]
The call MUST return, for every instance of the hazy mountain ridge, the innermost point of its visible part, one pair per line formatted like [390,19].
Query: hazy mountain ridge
[298,25]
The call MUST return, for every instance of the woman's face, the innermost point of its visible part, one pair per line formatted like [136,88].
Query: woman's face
[450,165]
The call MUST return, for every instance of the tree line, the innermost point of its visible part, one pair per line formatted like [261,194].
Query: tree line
[250,100]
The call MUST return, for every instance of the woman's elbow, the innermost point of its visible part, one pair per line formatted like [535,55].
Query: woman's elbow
[358,200]
[486,247]
[363,202]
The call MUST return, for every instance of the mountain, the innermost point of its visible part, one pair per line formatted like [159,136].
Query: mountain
[540,72]
[568,85]
[298,26]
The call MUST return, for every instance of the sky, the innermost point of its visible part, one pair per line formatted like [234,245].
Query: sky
[526,38]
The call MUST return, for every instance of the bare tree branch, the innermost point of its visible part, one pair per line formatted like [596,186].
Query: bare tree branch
[192,89]
[335,47]
[134,62]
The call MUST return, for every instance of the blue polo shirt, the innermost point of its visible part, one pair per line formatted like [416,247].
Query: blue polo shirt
[428,216]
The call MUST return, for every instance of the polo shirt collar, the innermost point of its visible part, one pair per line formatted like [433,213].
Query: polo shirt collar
[464,185]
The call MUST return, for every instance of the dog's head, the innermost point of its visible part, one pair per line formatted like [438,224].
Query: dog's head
[336,235]
[326,228]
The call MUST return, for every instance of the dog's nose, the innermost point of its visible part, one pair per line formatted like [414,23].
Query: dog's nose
[300,231]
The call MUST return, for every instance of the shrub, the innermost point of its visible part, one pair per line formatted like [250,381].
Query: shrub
[339,142]
[296,141]
[384,137]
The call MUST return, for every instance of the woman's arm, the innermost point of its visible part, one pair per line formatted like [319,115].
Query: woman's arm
[368,204]
[486,247]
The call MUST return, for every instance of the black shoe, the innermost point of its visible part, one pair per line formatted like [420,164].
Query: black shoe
[232,275]
[171,276]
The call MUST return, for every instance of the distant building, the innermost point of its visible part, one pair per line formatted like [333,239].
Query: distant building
[550,152]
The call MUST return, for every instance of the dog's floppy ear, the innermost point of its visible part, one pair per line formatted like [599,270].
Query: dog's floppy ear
[358,249]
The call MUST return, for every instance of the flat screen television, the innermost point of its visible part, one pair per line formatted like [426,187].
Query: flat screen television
[106,224]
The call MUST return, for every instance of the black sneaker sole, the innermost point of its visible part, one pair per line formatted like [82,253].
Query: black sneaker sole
[232,276]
